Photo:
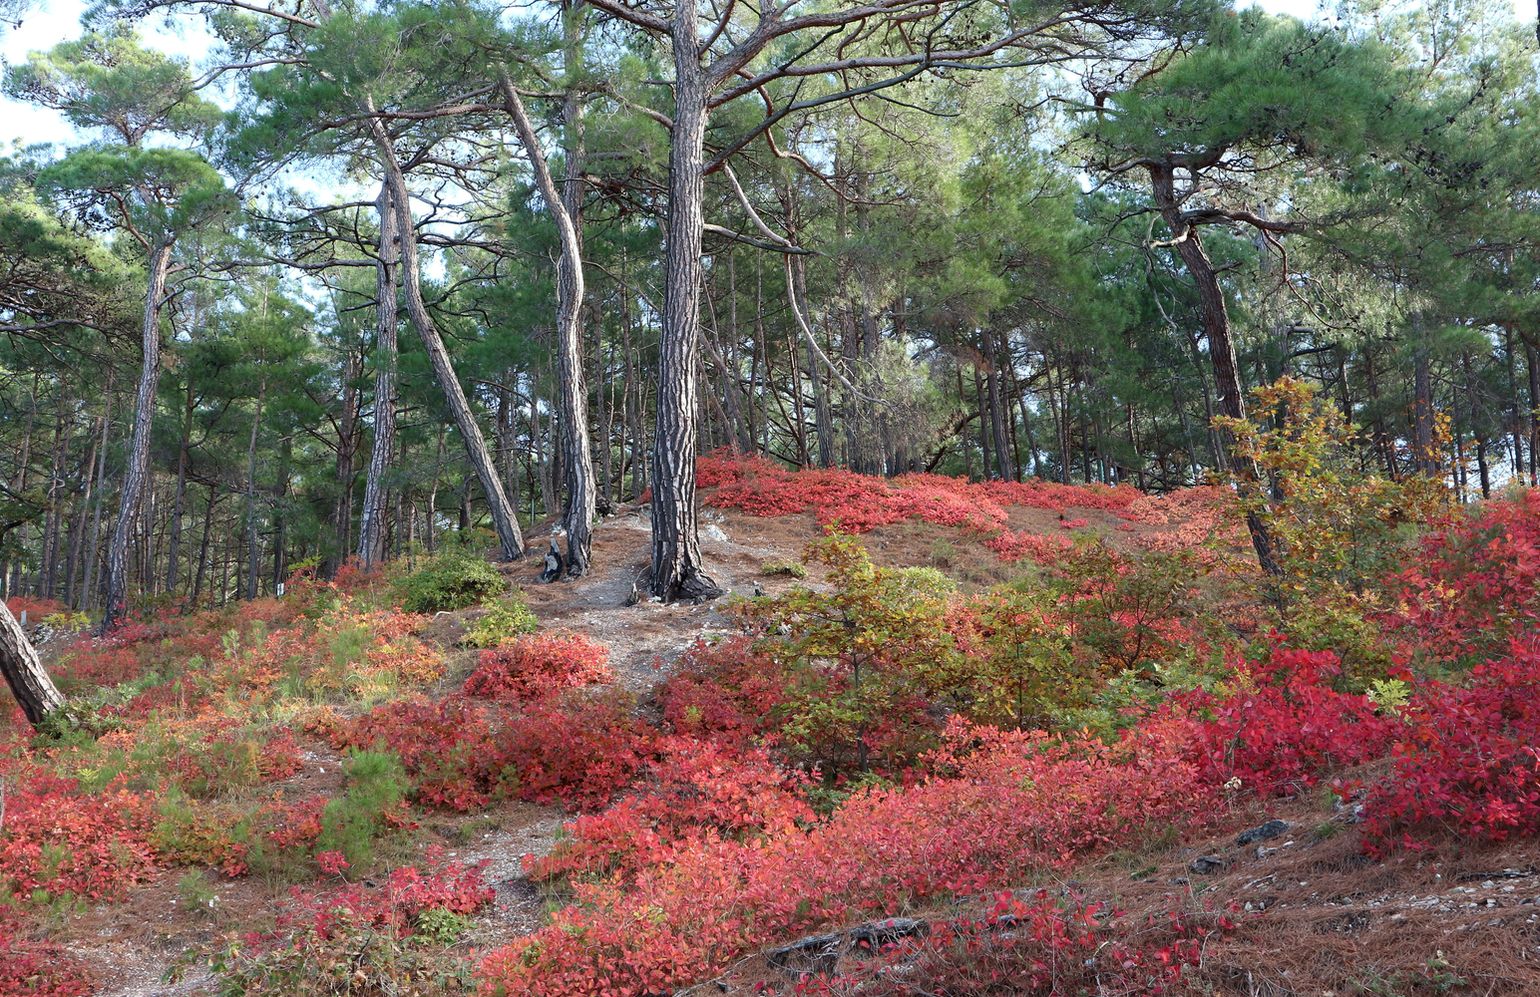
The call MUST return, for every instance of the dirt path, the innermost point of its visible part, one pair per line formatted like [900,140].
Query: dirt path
[642,636]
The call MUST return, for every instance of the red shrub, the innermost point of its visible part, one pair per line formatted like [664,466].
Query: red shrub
[35,607]
[37,969]
[295,825]
[1013,545]
[726,691]
[1019,803]
[93,847]
[579,749]
[539,665]
[1284,727]
[692,789]
[1475,584]
[1469,761]
[449,748]
[405,893]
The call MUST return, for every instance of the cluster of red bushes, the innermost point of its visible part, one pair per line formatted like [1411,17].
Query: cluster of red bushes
[858,503]
[60,842]
[655,908]
[37,969]
[538,665]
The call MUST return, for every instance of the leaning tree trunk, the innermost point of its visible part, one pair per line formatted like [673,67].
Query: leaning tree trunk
[31,686]
[1221,348]
[577,462]
[676,558]
[136,475]
[371,528]
[510,540]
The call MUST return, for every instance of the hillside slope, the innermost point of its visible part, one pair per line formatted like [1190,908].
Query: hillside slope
[331,794]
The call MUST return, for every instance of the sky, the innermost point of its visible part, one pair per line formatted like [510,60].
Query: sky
[52,21]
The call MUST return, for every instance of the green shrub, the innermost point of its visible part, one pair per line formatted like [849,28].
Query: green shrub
[377,785]
[450,581]
[502,622]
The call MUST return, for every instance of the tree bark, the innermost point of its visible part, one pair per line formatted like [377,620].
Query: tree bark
[677,570]
[24,673]
[565,207]
[137,474]
[371,527]
[1221,348]
[347,455]
[510,539]
[179,501]
[1424,450]
[251,492]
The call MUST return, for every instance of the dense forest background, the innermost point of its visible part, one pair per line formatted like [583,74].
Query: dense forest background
[384,275]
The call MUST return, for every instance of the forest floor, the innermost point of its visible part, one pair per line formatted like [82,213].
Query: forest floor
[1332,913]
[135,947]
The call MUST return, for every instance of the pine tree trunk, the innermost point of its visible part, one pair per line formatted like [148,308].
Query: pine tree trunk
[203,547]
[1424,450]
[510,540]
[136,475]
[371,527]
[24,673]
[251,493]
[677,570]
[179,501]
[1221,348]
[53,524]
[347,455]
[566,209]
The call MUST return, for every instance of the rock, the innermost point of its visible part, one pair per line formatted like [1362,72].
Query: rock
[715,533]
[875,934]
[813,954]
[1206,865]
[1263,832]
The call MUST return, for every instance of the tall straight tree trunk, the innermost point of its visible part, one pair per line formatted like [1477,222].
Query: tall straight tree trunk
[137,474]
[566,207]
[280,520]
[24,673]
[510,540]
[179,501]
[677,569]
[1424,450]
[371,526]
[53,524]
[203,547]
[1221,348]
[997,409]
[78,527]
[251,493]
[1532,361]
[823,409]
[11,583]
[347,456]
[604,390]
[93,539]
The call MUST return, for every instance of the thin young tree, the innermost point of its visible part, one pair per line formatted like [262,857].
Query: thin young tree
[111,83]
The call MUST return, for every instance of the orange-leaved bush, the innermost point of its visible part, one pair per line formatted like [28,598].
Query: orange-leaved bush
[538,665]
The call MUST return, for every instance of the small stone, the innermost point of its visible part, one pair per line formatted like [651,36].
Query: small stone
[1263,832]
[1206,865]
